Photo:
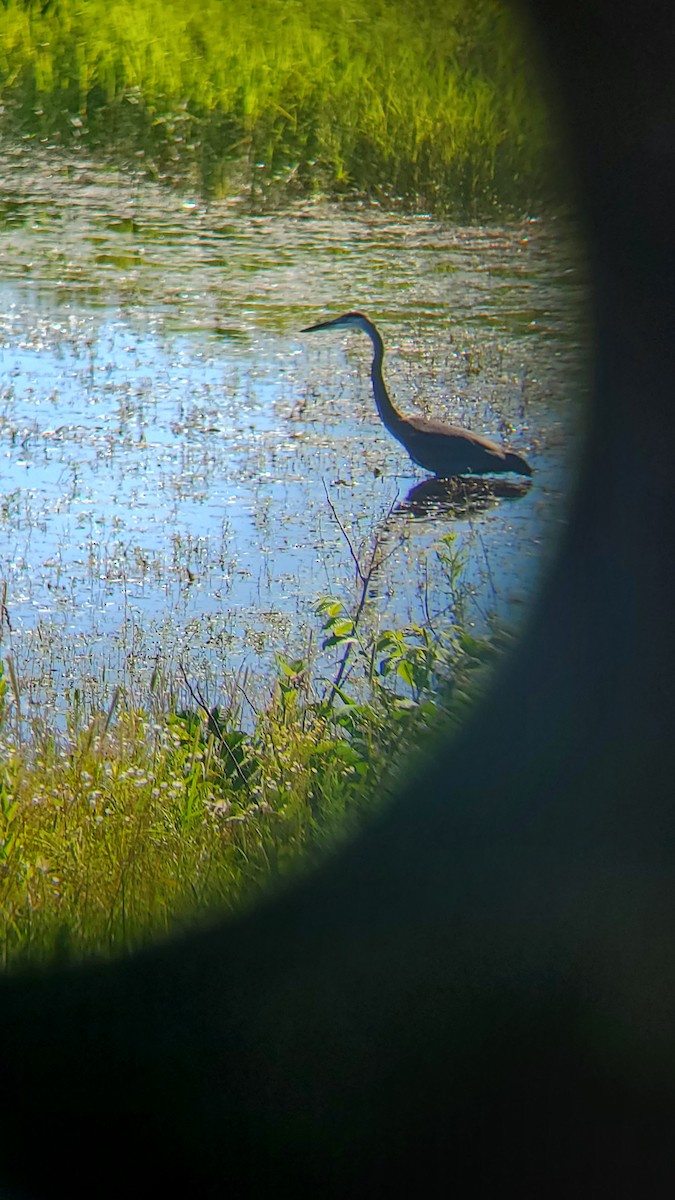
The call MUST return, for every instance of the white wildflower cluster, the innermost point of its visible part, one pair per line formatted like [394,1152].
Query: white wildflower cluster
[218,808]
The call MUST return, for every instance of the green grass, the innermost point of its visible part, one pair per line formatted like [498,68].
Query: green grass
[434,101]
[131,823]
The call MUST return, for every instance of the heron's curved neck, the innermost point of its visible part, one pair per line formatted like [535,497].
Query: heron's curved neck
[389,414]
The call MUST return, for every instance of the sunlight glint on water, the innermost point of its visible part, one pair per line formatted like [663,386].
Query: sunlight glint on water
[166,434]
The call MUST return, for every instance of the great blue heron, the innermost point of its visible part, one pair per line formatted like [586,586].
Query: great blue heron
[443,449]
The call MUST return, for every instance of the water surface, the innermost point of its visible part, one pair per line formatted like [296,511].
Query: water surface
[167,437]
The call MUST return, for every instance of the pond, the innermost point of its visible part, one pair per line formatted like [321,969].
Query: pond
[182,469]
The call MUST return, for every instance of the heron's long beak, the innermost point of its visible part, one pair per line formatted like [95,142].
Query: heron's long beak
[321,325]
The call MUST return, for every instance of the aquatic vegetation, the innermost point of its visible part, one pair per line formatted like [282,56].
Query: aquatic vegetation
[132,822]
[438,103]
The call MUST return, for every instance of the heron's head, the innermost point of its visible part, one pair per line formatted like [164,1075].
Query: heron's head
[349,320]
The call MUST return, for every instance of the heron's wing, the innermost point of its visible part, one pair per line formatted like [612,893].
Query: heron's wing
[454,433]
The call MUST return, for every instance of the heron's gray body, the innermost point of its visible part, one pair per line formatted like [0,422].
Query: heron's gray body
[445,450]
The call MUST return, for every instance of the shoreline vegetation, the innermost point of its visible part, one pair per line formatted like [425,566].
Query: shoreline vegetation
[434,104]
[130,823]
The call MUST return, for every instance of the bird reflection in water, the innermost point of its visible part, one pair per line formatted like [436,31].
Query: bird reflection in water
[460,496]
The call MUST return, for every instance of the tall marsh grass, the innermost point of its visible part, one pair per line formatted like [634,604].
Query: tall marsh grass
[437,102]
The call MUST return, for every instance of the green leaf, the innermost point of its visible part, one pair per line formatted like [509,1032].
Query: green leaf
[342,628]
[339,641]
[6,846]
[329,607]
[479,648]
[406,671]
[389,640]
[9,811]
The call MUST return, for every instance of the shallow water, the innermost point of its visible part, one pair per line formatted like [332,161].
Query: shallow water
[167,437]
